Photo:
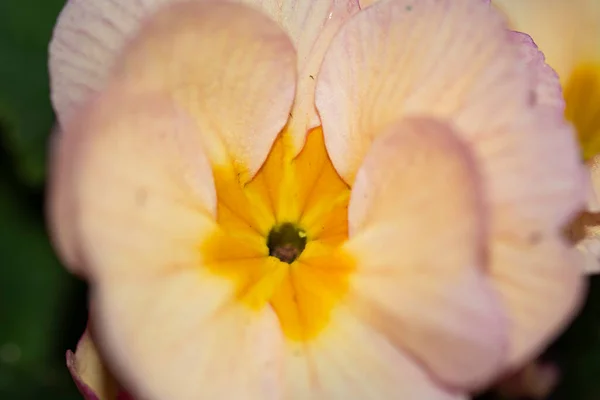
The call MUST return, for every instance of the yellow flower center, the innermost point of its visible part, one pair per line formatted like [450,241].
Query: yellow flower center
[280,235]
[582,95]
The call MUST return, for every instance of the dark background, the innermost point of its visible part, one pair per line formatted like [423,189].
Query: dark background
[42,307]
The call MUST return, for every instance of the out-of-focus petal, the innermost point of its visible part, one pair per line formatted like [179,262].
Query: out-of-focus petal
[537,180]
[366,3]
[407,167]
[547,91]
[142,185]
[181,336]
[385,372]
[540,283]
[418,227]
[231,67]
[88,37]
[60,206]
[566,31]
[91,377]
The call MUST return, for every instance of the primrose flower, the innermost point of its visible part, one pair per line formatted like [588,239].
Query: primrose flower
[303,200]
[568,32]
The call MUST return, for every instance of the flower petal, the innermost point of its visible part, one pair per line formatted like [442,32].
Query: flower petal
[409,57]
[453,60]
[60,206]
[91,377]
[87,38]
[566,31]
[375,369]
[246,59]
[541,284]
[311,25]
[221,51]
[546,87]
[547,279]
[91,34]
[180,336]
[231,67]
[143,189]
[417,280]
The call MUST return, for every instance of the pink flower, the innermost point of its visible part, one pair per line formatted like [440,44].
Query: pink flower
[301,200]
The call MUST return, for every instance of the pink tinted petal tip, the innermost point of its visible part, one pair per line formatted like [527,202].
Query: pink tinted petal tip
[90,375]
[547,90]
[85,390]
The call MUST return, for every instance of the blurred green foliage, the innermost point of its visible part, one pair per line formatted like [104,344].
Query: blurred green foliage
[25,112]
[42,307]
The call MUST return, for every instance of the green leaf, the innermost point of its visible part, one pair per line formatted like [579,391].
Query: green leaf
[42,307]
[26,116]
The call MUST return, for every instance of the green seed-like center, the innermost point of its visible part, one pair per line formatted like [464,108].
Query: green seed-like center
[286,242]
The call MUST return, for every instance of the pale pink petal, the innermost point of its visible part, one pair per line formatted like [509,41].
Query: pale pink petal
[403,57]
[89,373]
[411,163]
[418,227]
[90,36]
[547,91]
[143,188]
[366,3]
[453,59]
[541,284]
[539,276]
[181,336]
[567,32]
[535,176]
[60,206]
[243,69]
[353,361]
[456,60]
[311,25]
[231,67]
